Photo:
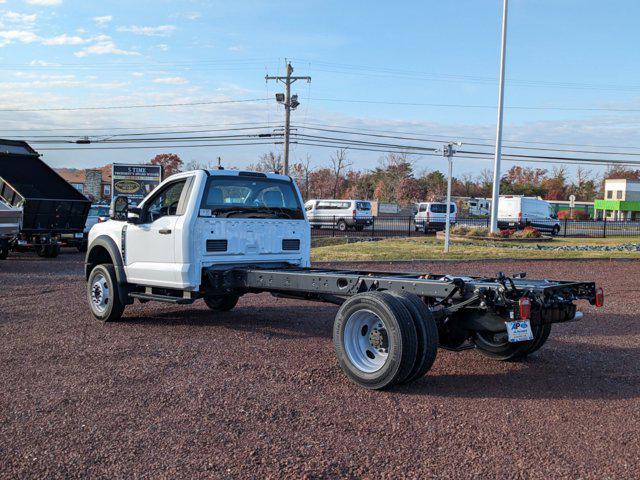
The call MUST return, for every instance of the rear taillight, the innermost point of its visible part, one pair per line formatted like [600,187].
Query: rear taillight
[599,297]
[354,214]
[525,308]
[427,217]
[520,216]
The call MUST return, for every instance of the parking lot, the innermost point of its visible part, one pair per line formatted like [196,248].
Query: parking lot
[176,391]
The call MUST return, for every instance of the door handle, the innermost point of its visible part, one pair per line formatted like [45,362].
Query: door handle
[164,231]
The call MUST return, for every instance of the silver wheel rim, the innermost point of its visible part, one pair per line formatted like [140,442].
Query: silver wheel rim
[100,293]
[366,341]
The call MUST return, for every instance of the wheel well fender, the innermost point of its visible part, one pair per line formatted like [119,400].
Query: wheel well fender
[104,250]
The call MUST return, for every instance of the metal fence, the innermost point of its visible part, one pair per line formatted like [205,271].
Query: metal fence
[406,226]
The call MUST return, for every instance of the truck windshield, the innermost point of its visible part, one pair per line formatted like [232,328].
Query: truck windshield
[251,198]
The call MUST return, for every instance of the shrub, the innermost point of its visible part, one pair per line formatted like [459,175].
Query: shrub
[527,232]
[459,230]
[477,232]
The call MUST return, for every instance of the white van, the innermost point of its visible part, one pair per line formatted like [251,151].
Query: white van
[341,214]
[432,216]
[519,212]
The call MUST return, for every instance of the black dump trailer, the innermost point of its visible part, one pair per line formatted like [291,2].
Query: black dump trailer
[51,206]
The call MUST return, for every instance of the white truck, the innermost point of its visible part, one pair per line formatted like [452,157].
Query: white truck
[218,235]
[518,212]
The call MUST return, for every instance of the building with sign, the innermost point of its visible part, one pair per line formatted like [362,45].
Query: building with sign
[135,181]
[621,200]
[94,183]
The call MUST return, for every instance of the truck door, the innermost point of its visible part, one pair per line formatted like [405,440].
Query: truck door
[150,245]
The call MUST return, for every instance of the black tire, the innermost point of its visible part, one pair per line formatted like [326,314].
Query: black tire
[556,231]
[4,251]
[342,225]
[221,303]
[426,334]
[359,228]
[54,251]
[42,250]
[541,339]
[104,274]
[498,347]
[398,337]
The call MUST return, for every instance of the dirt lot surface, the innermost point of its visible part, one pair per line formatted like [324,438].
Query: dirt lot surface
[179,392]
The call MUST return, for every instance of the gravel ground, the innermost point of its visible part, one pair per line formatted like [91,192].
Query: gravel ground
[179,392]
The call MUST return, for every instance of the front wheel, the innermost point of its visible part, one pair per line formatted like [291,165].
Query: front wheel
[555,231]
[102,294]
[221,303]
[342,226]
[4,251]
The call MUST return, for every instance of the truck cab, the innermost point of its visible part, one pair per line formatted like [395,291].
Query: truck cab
[199,219]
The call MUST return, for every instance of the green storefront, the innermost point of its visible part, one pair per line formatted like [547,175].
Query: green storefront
[617,210]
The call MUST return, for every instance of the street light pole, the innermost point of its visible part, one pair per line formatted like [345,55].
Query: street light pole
[290,103]
[447,151]
[498,153]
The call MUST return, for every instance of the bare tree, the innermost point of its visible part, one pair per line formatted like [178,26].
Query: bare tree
[300,172]
[200,164]
[339,164]
[269,162]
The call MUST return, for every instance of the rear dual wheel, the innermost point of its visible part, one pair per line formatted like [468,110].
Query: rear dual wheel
[379,341]
[497,345]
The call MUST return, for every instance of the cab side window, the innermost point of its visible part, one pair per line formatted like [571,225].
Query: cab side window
[166,201]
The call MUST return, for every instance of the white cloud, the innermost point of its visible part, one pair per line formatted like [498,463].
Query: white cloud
[15,17]
[137,74]
[192,15]
[24,36]
[171,80]
[42,63]
[162,47]
[64,39]
[236,48]
[159,31]
[106,47]
[102,20]
[45,3]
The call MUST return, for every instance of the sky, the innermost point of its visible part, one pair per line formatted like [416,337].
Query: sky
[424,67]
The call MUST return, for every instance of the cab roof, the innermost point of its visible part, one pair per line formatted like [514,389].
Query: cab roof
[249,174]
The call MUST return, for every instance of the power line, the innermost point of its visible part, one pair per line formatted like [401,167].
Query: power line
[459,105]
[414,150]
[470,138]
[485,157]
[80,147]
[519,147]
[114,107]
[199,125]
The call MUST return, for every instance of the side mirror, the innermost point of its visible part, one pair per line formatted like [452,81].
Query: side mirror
[134,215]
[119,209]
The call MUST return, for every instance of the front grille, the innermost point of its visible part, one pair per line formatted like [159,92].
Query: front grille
[216,245]
[291,244]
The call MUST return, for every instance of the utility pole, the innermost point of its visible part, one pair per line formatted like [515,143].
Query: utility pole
[290,103]
[447,152]
[495,197]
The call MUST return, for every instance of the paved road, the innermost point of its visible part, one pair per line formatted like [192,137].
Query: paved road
[179,392]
